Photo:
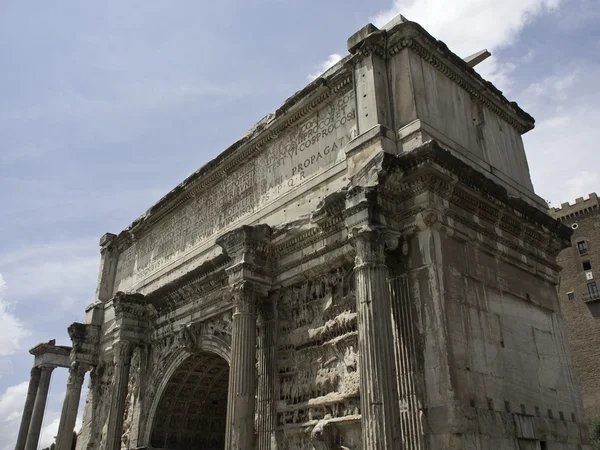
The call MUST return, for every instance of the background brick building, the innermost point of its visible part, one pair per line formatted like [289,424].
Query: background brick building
[579,294]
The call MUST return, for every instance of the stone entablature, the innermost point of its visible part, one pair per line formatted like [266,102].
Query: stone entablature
[50,354]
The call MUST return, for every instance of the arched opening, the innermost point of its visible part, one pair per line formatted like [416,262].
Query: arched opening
[192,409]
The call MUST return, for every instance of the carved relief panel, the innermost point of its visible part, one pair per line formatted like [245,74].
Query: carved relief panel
[317,353]
[101,380]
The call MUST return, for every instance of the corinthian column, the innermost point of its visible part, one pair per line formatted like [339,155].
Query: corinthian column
[122,356]
[249,281]
[64,440]
[266,379]
[34,381]
[37,416]
[242,373]
[376,351]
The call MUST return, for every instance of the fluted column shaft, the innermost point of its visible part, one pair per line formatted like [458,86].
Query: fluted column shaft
[242,373]
[122,356]
[64,439]
[266,380]
[378,397]
[34,381]
[37,416]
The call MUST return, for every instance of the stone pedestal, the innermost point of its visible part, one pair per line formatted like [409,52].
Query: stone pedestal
[64,440]
[34,381]
[378,396]
[242,375]
[37,416]
[122,356]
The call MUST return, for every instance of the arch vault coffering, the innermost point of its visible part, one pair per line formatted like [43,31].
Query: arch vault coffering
[192,410]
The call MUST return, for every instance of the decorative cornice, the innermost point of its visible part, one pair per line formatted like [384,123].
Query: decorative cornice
[486,95]
[411,35]
[492,202]
[201,282]
[130,304]
[502,240]
[282,268]
[50,347]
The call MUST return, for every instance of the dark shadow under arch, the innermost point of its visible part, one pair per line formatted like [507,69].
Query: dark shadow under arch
[191,412]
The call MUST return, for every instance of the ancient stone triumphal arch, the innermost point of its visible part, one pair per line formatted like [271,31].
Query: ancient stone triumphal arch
[367,268]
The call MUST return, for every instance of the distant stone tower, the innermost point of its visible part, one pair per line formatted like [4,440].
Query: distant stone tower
[579,294]
[368,268]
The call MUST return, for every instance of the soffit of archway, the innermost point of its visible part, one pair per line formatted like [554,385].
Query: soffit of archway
[192,407]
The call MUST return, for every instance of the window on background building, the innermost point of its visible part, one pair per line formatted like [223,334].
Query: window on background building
[582,247]
[593,290]
[571,296]
[587,265]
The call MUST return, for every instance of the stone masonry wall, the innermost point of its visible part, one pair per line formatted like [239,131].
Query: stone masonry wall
[582,316]
[497,368]
[508,362]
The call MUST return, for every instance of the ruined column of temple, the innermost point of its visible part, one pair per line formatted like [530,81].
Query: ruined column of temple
[242,373]
[64,439]
[380,421]
[37,416]
[266,380]
[34,381]
[122,356]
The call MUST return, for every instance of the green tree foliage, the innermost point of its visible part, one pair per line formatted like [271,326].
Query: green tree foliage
[594,427]
[53,446]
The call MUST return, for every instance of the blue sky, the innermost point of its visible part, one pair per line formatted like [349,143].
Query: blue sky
[108,105]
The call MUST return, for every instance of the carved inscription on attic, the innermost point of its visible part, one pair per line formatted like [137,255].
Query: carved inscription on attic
[301,153]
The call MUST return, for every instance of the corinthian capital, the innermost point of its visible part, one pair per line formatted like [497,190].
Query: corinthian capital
[371,243]
[77,372]
[246,295]
[122,352]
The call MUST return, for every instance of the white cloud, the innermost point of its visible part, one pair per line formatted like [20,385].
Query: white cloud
[12,330]
[11,406]
[62,270]
[332,59]
[554,87]
[468,26]
[499,72]
[12,402]
[561,147]
[49,431]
